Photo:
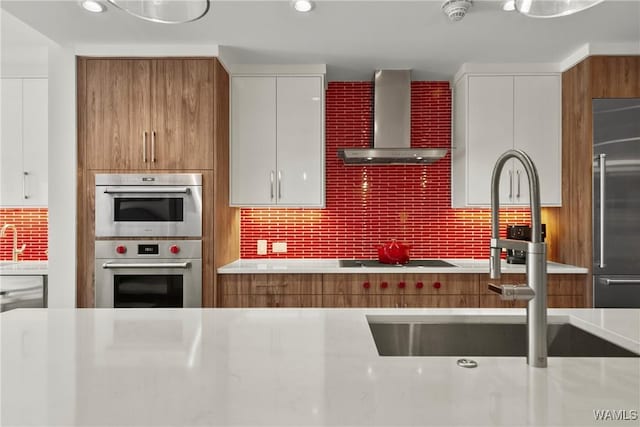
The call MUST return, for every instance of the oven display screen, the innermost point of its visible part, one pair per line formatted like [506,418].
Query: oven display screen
[149,209]
[148,250]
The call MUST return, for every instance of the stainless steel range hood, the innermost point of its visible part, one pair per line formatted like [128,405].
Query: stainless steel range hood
[392,126]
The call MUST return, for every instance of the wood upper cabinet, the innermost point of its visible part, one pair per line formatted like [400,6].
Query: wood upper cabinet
[495,113]
[277,141]
[148,113]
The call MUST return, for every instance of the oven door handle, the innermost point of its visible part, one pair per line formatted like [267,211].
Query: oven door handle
[149,190]
[186,264]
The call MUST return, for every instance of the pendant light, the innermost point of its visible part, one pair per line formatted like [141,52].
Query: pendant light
[164,11]
[553,8]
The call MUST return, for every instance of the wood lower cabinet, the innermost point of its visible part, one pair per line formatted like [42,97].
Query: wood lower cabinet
[385,290]
[563,290]
[270,290]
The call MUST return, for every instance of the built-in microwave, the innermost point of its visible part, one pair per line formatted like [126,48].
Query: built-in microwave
[144,205]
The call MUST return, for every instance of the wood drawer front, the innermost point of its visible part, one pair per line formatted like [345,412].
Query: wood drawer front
[263,284]
[361,300]
[269,300]
[401,284]
[553,301]
[557,284]
[417,301]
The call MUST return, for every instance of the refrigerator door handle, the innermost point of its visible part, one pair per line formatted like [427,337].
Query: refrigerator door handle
[608,282]
[603,173]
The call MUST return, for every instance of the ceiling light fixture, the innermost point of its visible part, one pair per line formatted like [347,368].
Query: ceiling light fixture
[553,8]
[164,11]
[509,5]
[456,9]
[93,6]
[302,5]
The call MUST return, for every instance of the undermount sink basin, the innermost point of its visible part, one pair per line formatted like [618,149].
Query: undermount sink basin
[485,339]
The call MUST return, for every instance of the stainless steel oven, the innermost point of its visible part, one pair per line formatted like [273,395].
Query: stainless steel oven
[145,273]
[148,205]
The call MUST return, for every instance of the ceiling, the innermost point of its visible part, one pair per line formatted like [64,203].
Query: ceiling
[352,37]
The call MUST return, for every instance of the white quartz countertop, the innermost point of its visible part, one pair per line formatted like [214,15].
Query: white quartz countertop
[293,367]
[258,266]
[24,268]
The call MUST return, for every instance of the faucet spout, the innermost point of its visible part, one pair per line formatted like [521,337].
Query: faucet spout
[536,290]
[14,251]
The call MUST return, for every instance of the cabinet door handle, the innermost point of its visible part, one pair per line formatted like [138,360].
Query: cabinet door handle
[271,181]
[510,184]
[144,147]
[153,146]
[279,184]
[603,199]
[518,188]
[25,193]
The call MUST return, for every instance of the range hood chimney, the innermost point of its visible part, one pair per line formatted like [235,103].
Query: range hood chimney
[391,126]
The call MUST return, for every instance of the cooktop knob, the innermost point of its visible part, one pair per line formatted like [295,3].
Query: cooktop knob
[121,249]
[174,249]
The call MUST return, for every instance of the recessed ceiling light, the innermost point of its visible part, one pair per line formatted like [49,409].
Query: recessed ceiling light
[509,5]
[93,6]
[302,5]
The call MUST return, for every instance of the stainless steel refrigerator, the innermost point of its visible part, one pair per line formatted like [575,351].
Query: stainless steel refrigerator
[616,203]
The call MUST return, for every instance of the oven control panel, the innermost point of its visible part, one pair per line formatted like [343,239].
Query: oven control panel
[131,249]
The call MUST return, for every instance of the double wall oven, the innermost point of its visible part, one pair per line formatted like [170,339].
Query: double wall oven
[148,249]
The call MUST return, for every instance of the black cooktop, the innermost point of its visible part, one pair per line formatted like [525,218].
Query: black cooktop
[412,263]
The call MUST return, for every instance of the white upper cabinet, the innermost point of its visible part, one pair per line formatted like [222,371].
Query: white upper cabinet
[24,147]
[277,141]
[495,113]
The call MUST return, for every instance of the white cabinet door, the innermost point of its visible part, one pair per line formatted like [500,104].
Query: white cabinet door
[300,152]
[537,131]
[24,144]
[11,143]
[34,140]
[490,133]
[253,141]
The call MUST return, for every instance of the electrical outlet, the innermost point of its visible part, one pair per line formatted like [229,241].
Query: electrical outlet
[279,247]
[262,247]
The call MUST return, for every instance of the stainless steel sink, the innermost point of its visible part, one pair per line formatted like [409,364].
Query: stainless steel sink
[486,339]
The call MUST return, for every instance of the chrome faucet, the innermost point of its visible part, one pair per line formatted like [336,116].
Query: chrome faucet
[15,251]
[535,291]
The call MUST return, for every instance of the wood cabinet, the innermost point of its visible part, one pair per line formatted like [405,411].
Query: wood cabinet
[270,290]
[495,113]
[563,290]
[400,290]
[148,113]
[24,143]
[391,290]
[277,141]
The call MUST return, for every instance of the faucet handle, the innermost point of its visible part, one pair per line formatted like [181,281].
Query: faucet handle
[512,292]
[19,251]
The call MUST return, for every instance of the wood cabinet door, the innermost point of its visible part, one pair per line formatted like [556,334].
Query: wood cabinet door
[182,122]
[117,113]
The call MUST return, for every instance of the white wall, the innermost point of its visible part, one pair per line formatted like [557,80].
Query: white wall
[62,177]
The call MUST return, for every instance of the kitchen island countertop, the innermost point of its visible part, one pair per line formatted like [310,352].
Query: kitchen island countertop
[293,367]
[319,266]
[24,268]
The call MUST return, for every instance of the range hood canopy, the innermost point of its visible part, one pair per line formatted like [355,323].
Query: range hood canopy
[391,126]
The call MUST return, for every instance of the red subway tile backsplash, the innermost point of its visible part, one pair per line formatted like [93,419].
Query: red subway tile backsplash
[369,205]
[33,229]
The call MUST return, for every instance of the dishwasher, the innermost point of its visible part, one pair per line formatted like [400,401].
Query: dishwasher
[22,292]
